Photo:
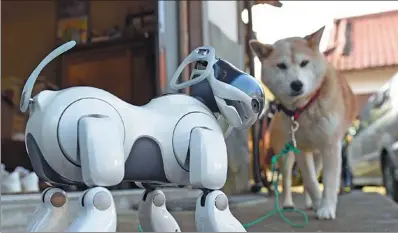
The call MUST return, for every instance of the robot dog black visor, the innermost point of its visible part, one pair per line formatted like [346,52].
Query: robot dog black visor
[226,73]
[229,74]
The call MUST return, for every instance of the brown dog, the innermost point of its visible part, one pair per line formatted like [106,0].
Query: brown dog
[319,99]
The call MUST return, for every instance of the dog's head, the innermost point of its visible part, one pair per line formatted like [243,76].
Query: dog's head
[292,68]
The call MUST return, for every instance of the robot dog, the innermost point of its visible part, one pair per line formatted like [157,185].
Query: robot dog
[85,135]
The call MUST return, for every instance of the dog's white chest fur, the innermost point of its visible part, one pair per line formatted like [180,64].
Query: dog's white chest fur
[314,130]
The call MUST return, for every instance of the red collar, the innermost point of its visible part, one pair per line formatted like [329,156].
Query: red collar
[297,112]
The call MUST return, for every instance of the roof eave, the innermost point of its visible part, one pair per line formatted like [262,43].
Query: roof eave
[272,3]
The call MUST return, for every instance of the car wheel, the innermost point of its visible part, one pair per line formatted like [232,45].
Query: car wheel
[389,181]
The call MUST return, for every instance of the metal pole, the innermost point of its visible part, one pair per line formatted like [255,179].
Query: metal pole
[183,38]
[254,132]
[250,35]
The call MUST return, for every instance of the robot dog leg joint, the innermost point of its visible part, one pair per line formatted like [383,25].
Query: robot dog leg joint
[153,215]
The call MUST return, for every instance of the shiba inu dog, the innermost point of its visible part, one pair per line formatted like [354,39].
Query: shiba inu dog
[311,93]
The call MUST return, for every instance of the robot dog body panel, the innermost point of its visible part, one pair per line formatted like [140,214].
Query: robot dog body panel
[145,147]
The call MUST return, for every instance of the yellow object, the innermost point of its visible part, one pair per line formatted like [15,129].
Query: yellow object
[349,138]
[268,94]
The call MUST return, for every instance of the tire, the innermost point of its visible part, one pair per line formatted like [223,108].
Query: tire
[389,181]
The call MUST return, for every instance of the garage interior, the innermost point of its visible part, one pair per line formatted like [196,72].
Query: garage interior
[116,51]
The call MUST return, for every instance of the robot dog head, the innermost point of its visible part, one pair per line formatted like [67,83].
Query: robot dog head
[238,96]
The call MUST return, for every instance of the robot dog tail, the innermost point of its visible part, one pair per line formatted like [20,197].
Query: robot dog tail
[27,89]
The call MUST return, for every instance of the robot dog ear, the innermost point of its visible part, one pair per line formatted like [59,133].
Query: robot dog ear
[262,51]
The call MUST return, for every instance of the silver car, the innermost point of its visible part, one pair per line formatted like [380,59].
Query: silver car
[373,152]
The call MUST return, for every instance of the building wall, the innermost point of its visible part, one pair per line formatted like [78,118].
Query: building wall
[223,29]
[369,80]
[361,100]
[366,82]
[168,43]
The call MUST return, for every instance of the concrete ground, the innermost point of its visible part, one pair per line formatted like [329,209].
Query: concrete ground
[357,211]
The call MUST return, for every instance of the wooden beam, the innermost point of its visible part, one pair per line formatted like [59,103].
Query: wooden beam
[269,2]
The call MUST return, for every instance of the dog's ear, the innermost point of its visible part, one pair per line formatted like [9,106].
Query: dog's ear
[262,51]
[315,38]
[329,51]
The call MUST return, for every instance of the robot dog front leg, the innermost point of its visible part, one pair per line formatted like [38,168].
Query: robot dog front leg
[208,171]
[153,215]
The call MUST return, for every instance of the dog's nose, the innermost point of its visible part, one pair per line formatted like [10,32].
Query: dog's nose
[296,85]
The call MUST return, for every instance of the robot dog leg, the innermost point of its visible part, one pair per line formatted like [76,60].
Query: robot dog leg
[97,208]
[153,214]
[52,215]
[208,171]
[97,212]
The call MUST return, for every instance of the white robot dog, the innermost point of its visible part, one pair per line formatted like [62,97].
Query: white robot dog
[84,135]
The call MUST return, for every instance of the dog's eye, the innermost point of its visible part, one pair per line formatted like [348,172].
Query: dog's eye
[304,63]
[282,66]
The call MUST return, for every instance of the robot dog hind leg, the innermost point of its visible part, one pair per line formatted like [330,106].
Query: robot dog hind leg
[153,214]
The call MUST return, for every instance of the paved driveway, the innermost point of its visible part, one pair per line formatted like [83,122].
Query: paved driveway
[358,211]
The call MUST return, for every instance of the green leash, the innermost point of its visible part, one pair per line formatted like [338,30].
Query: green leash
[275,181]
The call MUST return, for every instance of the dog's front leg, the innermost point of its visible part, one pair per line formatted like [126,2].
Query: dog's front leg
[318,167]
[287,167]
[305,161]
[331,179]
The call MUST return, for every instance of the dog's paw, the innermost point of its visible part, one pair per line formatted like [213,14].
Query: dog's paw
[308,203]
[288,205]
[327,211]
[312,205]
[309,207]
